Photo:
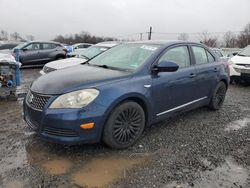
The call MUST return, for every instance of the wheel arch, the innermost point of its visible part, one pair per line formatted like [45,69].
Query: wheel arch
[138,98]
[224,81]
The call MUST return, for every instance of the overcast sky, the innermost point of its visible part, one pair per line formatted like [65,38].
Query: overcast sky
[47,18]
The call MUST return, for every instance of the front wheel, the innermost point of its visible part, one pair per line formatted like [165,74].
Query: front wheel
[218,96]
[124,125]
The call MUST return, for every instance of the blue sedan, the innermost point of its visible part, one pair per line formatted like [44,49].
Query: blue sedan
[112,97]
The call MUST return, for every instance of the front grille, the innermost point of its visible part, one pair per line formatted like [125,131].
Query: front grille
[37,101]
[60,132]
[244,65]
[48,69]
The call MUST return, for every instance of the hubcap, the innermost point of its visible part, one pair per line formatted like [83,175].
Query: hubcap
[127,125]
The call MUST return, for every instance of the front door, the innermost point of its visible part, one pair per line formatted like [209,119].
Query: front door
[173,91]
[30,54]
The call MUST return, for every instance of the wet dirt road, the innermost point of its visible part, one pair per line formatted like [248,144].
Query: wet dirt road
[197,149]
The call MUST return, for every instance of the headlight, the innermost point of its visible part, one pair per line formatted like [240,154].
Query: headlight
[230,62]
[76,99]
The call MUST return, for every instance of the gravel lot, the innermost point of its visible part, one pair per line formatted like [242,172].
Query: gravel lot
[200,148]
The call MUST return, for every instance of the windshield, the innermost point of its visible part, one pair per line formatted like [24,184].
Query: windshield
[245,52]
[125,56]
[91,52]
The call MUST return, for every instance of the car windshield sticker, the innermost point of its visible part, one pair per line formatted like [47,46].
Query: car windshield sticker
[151,48]
[103,49]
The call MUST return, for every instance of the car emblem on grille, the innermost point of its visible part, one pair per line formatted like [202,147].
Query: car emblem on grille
[31,98]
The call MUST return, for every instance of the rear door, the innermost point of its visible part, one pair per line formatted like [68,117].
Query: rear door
[173,91]
[207,70]
[46,52]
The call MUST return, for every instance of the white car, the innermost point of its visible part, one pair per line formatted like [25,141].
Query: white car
[240,65]
[82,57]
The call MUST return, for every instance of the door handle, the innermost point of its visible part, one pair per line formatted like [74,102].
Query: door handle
[215,69]
[192,75]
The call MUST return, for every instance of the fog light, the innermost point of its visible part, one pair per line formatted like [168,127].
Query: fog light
[87,126]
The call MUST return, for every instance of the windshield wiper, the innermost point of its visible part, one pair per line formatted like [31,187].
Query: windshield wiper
[103,66]
[84,56]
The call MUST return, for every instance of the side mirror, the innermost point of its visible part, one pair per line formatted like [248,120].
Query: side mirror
[166,66]
[235,53]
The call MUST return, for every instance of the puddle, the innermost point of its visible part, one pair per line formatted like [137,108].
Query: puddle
[14,184]
[97,170]
[57,167]
[238,124]
[101,172]
[228,175]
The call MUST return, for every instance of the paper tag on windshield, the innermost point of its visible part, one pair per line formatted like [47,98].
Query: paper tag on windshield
[151,48]
[103,49]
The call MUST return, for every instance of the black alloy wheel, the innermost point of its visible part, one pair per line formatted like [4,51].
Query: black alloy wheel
[218,96]
[124,126]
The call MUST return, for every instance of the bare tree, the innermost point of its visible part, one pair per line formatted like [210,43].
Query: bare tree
[230,40]
[208,40]
[244,37]
[81,37]
[183,36]
[15,36]
[4,35]
[30,37]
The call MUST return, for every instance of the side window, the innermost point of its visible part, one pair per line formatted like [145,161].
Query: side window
[200,55]
[86,45]
[179,55]
[33,46]
[210,57]
[47,46]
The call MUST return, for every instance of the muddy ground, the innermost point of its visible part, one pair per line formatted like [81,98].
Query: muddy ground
[200,148]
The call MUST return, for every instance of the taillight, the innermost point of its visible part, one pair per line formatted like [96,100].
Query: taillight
[64,49]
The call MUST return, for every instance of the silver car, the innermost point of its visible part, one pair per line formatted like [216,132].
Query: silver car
[38,52]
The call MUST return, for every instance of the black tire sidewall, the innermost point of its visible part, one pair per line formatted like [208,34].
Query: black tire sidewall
[108,137]
[213,105]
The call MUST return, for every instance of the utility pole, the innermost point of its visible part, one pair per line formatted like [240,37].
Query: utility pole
[150,33]
[140,36]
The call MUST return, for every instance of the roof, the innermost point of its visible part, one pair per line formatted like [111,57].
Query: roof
[40,41]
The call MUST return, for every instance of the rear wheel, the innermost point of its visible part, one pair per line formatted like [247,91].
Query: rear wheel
[124,125]
[218,96]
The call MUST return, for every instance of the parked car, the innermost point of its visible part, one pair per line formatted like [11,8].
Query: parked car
[78,48]
[81,46]
[38,52]
[6,48]
[220,53]
[69,48]
[240,66]
[115,95]
[81,57]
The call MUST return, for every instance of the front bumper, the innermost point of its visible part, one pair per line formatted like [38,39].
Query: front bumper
[63,125]
[237,70]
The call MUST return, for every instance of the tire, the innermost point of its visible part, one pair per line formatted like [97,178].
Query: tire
[218,96]
[124,126]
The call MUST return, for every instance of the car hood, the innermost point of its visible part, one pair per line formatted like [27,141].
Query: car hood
[63,63]
[77,77]
[241,60]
